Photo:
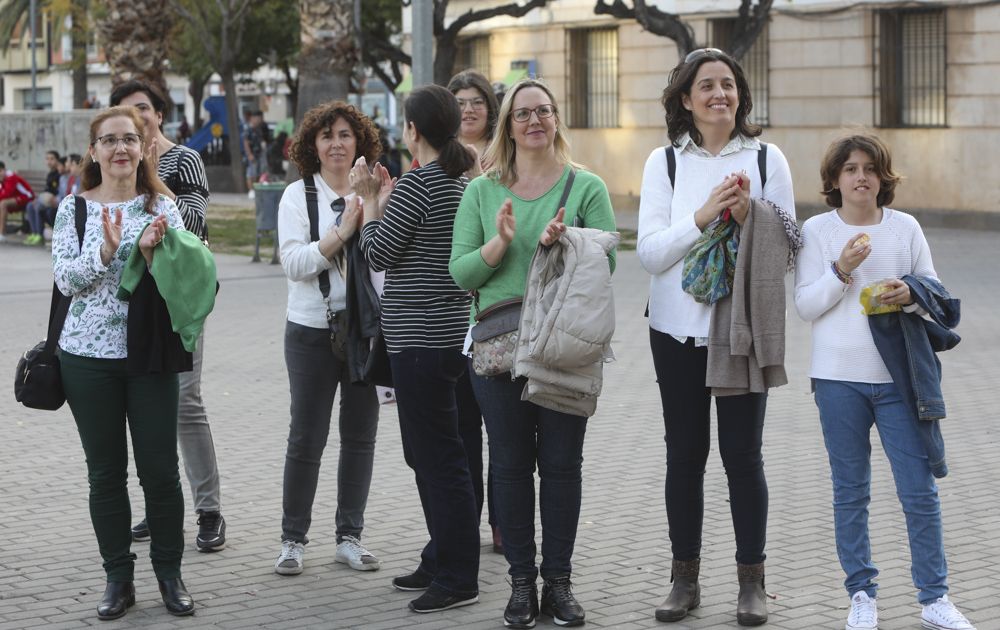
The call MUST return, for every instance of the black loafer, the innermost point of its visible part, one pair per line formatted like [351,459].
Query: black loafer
[118,596]
[176,598]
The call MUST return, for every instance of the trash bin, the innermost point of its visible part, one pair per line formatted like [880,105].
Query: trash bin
[266,198]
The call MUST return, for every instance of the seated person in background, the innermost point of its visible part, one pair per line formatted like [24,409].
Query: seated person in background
[15,193]
[42,211]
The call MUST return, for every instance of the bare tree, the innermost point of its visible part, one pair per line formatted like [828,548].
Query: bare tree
[220,26]
[751,19]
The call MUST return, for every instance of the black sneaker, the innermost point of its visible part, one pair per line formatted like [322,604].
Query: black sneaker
[522,609]
[140,532]
[416,581]
[211,532]
[437,598]
[559,603]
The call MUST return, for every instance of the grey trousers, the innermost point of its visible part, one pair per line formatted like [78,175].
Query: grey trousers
[314,374]
[195,438]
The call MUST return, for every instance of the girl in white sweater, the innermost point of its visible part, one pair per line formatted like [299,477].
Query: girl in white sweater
[860,242]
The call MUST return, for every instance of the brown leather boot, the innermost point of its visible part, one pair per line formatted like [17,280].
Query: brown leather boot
[686,592]
[751,607]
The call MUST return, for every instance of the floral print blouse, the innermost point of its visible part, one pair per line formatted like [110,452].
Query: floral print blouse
[96,323]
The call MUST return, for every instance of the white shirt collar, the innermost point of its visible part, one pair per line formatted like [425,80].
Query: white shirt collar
[740,142]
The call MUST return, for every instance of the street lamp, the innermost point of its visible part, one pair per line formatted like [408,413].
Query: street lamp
[33,12]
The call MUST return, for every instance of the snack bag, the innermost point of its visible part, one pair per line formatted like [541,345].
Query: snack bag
[869,299]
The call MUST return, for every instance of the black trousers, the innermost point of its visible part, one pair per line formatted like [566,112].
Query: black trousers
[680,373]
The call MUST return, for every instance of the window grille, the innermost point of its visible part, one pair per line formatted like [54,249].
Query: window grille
[755,63]
[910,57]
[593,78]
[473,54]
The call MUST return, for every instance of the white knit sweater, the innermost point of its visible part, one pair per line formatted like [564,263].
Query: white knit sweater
[667,230]
[842,344]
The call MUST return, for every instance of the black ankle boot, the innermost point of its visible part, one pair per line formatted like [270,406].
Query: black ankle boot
[558,601]
[176,597]
[751,607]
[685,595]
[522,608]
[118,596]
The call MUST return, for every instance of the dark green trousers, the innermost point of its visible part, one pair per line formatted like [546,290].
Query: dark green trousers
[103,397]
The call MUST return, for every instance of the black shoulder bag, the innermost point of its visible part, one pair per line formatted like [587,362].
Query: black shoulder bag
[494,337]
[37,379]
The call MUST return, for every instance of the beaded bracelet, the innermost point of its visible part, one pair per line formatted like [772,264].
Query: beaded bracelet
[843,277]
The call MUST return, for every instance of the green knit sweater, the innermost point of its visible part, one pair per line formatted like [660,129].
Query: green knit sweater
[475,224]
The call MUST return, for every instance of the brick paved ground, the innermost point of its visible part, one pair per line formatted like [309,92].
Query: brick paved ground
[50,574]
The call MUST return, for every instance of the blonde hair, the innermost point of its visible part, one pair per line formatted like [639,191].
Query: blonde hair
[502,151]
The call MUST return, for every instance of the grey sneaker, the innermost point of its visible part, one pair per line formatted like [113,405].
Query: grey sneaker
[290,559]
[350,551]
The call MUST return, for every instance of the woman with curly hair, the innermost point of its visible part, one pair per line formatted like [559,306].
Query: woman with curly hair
[314,257]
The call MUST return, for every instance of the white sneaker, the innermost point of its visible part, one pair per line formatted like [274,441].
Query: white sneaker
[290,559]
[350,551]
[864,613]
[250,194]
[941,614]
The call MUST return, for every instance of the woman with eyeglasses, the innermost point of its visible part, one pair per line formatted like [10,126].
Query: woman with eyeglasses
[503,217]
[330,138]
[716,168]
[479,119]
[109,378]
[424,318]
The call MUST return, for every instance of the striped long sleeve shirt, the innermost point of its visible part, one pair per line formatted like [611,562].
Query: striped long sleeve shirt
[182,170]
[422,307]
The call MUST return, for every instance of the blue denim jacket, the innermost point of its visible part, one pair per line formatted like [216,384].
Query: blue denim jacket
[907,343]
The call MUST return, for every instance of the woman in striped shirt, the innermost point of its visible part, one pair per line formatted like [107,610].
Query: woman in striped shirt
[424,319]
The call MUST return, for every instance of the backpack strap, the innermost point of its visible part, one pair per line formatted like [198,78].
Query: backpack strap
[60,303]
[312,208]
[671,163]
[762,166]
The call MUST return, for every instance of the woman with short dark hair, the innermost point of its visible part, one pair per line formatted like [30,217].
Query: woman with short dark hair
[716,168]
[329,140]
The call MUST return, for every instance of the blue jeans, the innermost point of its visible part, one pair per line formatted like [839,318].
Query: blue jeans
[522,434]
[847,411]
[425,381]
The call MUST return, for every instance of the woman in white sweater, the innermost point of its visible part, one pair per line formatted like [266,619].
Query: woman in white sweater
[859,243]
[715,152]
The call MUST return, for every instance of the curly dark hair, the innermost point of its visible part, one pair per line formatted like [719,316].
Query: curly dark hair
[302,153]
[680,119]
[840,151]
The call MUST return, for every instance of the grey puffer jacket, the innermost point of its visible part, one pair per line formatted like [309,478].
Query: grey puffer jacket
[567,320]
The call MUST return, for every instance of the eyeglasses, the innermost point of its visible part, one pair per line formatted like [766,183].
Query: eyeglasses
[474,103]
[701,52]
[110,141]
[524,113]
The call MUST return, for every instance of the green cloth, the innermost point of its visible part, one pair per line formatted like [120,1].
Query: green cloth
[184,270]
[475,224]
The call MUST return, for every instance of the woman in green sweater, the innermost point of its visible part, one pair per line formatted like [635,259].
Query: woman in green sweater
[503,217]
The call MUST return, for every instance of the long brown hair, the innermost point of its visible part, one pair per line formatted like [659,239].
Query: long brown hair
[838,153]
[147,182]
[470,79]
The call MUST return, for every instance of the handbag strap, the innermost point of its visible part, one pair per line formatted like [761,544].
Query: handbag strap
[577,222]
[60,303]
[312,208]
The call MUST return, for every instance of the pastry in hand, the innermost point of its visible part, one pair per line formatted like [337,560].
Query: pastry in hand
[863,240]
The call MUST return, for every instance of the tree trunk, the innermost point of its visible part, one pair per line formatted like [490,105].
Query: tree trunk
[329,52]
[445,52]
[136,39]
[78,43]
[196,88]
[233,129]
